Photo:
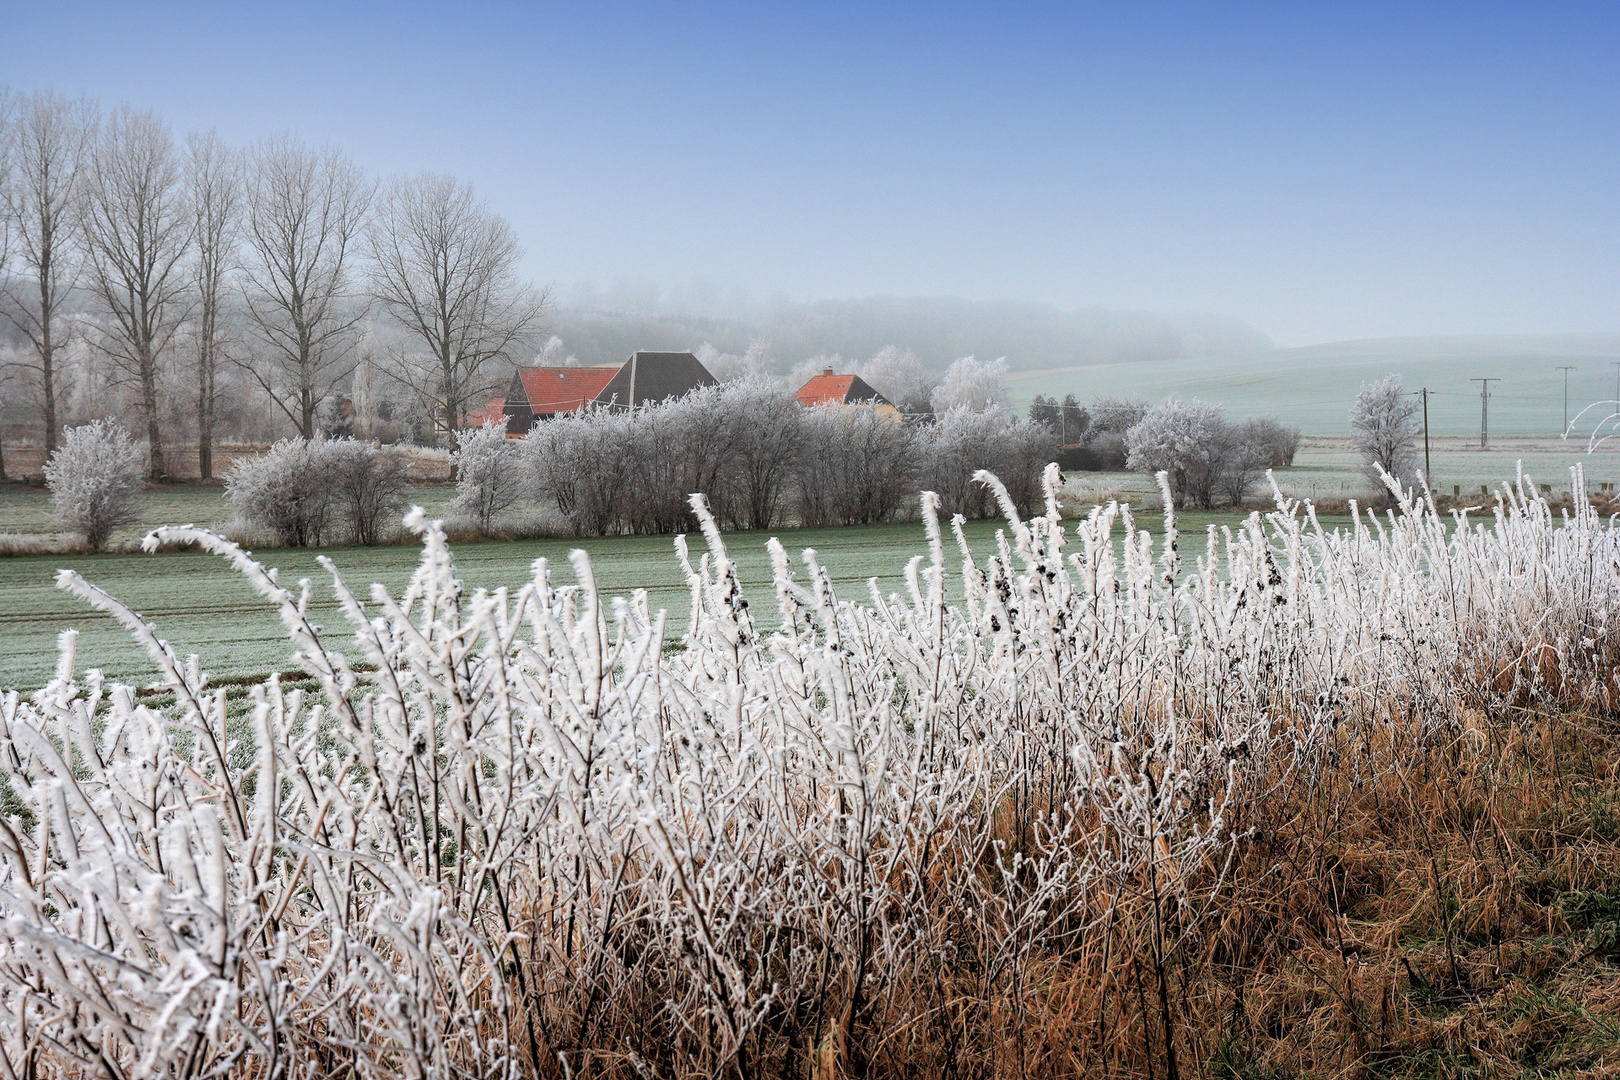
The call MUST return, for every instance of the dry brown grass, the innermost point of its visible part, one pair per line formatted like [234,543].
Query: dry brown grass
[1440,909]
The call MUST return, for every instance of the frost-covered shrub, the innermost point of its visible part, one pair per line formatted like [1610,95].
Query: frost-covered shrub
[1190,441]
[511,834]
[96,478]
[370,485]
[489,474]
[309,492]
[287,491]
[994,440]
[855,466]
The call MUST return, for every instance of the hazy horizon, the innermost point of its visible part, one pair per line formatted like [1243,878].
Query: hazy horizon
[1379,171]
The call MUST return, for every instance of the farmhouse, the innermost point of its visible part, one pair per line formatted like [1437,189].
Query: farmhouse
[539,393]
[830,389]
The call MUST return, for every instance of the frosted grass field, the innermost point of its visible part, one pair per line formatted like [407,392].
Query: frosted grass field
[503,834]
[1313,386]
[196,599]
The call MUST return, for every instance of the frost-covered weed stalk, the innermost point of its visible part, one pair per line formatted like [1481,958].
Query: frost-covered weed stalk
[512,834]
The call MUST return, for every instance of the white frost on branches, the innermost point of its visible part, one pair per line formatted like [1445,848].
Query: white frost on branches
[976,385]
[496,821]
[1386,424]
[95,478]
[489,474]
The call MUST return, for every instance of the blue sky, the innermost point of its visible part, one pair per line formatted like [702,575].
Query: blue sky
[1322,172]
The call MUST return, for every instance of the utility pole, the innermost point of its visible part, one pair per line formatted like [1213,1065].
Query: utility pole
[1428,470]
[1566,369]
[1485,407]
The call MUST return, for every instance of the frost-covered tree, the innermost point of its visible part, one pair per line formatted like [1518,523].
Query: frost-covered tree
[1189,440]
[369,483]
[856,467]
[555,354]
[767,435]
[305,212]
[753,363]
[95,480]
[1385,425]
[976,384]
[898,375]
[444,268]
[137,229]
[50,138]
[286,491]
[214,192]
[489,477]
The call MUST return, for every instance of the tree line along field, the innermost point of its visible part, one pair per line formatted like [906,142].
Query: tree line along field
[1326,469]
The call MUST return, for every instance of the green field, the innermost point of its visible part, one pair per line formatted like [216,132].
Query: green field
[1315,385]
[203,607]
[200,606]
[27,511]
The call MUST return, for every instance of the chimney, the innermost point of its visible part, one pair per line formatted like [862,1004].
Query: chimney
[826,371]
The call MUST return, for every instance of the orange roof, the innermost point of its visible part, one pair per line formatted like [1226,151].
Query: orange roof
[554,390]
[830,389]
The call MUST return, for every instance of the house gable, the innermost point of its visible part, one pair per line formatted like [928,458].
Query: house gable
[830,389]
[653,376]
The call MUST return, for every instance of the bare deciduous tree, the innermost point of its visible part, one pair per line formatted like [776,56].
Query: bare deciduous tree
[213,182]
[1386,426]
[137,228]
[49,139]
[305,212]
[444,267]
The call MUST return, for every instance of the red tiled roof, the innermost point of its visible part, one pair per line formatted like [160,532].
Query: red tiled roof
[554,390]
[830,389]
[825,389]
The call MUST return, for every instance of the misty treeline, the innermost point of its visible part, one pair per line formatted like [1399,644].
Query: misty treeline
[203,292]
[604,324]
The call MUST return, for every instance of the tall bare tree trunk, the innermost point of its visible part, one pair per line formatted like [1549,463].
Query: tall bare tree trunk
[49,138]
[304,210]
[444,268]
[137,231]
[213,183]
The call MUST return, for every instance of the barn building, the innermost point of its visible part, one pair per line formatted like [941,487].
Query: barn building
[539,393]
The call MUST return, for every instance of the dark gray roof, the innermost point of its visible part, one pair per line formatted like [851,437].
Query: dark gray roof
[654,377]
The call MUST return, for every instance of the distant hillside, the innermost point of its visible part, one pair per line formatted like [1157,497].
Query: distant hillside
[1313,386]
[938,330]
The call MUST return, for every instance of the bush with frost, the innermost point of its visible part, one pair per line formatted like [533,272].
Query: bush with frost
[1386,423]
[306,492]
[489,475]
[286,491]
[96,478]
[509,834]
[370,487]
